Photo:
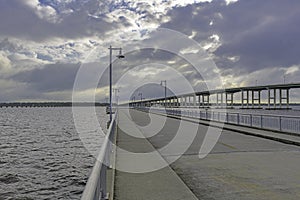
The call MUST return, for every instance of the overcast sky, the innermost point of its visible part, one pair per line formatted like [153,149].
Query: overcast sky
[44,43]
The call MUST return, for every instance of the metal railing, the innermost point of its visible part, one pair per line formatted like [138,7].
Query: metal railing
[282,123]
[96,187]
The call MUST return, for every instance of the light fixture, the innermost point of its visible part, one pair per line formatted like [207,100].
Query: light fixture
[120,54]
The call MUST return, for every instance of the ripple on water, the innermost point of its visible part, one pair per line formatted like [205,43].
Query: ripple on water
[8,178]
[43,154]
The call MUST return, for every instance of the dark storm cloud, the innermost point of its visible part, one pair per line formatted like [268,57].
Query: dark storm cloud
[50,78]
[20,20]
[146,57]
[262,33]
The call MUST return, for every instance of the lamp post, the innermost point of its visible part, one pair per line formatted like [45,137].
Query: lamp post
[133,101]
[161,83]
[110,76]
[141,94]
[116,91]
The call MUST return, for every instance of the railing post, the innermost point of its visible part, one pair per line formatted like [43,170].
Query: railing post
[261,121]
[280,126]
[103,182]
[238,118]
[226,117]
[251,120]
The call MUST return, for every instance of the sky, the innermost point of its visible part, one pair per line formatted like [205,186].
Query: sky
[44,44]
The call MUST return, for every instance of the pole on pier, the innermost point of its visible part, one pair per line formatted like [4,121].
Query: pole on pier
[242,93]
[287,98]
[269,98]
[275,98]
[110,77]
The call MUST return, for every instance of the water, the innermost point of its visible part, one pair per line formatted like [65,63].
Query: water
[41,154]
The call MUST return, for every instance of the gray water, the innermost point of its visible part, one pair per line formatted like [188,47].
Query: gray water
[41,154]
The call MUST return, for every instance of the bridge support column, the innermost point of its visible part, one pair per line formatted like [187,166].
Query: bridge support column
[287,98]
[245,99]
[256,101]
[282,97]
[207,100]
[272,97]
[181,102]
[230,100]
[187,101]
[220,100]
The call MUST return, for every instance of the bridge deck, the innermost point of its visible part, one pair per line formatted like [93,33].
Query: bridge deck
[239,166]
[162,184]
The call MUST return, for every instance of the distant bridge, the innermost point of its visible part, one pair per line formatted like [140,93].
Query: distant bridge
[47,104]
[278,97]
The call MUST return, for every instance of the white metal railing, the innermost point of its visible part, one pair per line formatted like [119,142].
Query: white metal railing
[96,187]
[283,123]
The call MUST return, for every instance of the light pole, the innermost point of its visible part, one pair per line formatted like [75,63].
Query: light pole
[161,83]
[141,94]
[133,101]
[284,79]
[116,91]
[110,77]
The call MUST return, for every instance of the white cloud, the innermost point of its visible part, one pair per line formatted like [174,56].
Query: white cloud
[230,1]
[190,50]
[212,43]
[43,11]
[5,64]
[233,58]
[194,33]
[292,70]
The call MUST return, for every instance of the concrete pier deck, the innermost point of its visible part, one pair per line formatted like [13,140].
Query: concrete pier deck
[157,185]
[239,167]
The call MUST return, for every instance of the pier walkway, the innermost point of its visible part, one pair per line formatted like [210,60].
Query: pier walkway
[240,166]
[161,184]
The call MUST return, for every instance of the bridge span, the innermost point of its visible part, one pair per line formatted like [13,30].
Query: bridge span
[277,97]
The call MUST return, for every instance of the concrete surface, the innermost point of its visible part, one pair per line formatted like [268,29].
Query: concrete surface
[157,185]
[239,167]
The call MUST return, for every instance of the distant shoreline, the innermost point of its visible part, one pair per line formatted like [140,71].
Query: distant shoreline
[52,104]
[83,104]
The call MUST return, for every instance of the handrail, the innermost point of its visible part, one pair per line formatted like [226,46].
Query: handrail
[96,184]
[241,113]
[286,124]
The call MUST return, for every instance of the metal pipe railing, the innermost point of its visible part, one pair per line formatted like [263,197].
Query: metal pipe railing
[95,188]
[283,123]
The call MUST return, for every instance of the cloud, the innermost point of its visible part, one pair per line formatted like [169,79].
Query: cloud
[32,21]
[45,12]
[5,64]
[230,1]
[50,78]
[42,41]
[253,35]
